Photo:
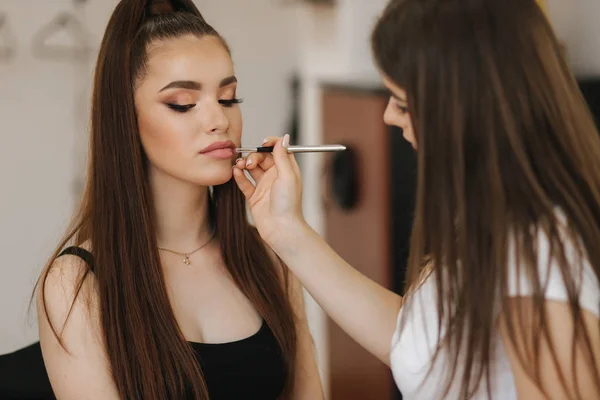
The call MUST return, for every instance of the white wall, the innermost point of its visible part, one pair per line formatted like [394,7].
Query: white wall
[37,103]
[576,23]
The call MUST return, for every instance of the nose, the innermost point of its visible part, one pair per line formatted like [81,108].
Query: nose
[215,120]
[388,115]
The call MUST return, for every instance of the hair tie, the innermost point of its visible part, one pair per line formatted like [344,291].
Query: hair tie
[158,7]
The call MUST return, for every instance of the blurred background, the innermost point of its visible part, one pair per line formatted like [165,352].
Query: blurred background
[304,68]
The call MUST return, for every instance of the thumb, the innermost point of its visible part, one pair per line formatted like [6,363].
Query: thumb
[281,158]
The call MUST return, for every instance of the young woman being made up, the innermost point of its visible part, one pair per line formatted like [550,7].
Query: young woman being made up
[164,290]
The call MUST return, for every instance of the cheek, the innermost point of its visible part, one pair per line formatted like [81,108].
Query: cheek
[234,115]
[388,115]
[408,124]
[409,133]
[394,117]
[162,134]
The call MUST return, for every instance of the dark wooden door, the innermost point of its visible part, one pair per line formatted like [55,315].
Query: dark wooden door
[361,234]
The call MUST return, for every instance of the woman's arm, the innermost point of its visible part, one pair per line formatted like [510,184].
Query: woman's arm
[366,311]
[363,309]
[81,371]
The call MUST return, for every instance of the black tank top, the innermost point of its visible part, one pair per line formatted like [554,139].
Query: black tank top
[251,368]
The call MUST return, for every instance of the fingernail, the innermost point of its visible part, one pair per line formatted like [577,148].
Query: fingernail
[265,141]
[248,162]
[286,140]
[239,159]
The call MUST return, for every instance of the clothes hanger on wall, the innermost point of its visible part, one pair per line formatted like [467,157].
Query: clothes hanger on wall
[8,45]
[63,23]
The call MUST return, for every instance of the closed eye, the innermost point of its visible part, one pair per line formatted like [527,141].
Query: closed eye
[399,103]
[180,108]
[230,103]
[402,108]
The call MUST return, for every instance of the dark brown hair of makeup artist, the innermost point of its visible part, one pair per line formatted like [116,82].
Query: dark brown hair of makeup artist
[505,139]
[148,354]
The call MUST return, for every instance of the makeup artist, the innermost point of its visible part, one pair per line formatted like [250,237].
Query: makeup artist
[503,298]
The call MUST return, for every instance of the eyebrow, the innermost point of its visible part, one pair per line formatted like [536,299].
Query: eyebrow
[398,98]
[193,85]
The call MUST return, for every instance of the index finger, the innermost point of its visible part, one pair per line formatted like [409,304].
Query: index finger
[259,159]
[267,159]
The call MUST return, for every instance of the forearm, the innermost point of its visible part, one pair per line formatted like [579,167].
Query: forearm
[365,310]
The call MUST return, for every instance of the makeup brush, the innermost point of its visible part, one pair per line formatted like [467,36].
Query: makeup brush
[294,149]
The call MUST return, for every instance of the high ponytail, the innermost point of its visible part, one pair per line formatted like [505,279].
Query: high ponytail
[148,355]
[161,7]
[157,7]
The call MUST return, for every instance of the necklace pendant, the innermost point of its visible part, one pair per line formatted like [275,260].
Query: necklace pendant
[186,260]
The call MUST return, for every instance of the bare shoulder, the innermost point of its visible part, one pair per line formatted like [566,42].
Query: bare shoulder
[70,332]
[68,286]
[566,362]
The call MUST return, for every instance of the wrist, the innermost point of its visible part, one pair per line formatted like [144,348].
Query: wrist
[291,233]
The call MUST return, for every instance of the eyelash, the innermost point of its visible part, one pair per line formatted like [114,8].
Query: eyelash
[230,103]
[187,107]
[403,109]
[180,108]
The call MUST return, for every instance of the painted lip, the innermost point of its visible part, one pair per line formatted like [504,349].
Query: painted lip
[228,144]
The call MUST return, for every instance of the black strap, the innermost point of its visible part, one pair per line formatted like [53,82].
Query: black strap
[81,253]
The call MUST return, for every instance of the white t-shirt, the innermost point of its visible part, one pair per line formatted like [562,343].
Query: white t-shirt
[413,347]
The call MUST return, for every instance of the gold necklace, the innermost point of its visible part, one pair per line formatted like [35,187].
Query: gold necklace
[186,256]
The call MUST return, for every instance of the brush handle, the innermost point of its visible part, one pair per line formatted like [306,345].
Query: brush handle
[294,149]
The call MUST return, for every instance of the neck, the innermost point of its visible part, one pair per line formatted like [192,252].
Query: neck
[181,212]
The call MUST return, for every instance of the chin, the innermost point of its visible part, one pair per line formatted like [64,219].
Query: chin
[214,177]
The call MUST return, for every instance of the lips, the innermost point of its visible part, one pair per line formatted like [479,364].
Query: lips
[228,144]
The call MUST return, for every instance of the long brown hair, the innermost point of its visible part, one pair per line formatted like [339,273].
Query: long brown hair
[505,139]
[149,356]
